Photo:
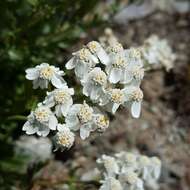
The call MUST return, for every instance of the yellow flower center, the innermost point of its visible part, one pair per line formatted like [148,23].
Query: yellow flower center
[156,161]
[115,185]
[116,48]
[117,96]
[85,113]
[109,163]
[130,158]
[144,160]
[42,114]
[93,46]
[46,72]
[65,138]
[138,73]
[120,62]
[100,78]
[131,177]
[135,53]
[137,95]
[61,96]
[102,122]
[84,54]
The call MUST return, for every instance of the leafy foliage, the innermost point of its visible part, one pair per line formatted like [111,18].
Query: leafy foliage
[32,31]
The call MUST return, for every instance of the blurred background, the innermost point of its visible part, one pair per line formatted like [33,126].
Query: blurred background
[35,31]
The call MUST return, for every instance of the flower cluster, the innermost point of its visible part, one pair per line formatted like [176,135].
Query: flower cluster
[157,52]
[59,105]
[128,171]
[110,76]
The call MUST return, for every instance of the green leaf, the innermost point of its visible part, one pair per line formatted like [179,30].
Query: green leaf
[33,2]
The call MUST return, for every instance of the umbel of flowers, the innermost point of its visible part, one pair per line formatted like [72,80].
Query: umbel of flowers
[109,76]
[128,171]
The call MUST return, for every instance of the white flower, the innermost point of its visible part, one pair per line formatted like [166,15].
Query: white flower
[127,161]
[155,167]
[43,74]
[111,183]
[131,181]
[125,66]
[145,167]
[117,67]
[96,49]
[109,164]
[94,83]
[115,48]
[26,146]
[40,121]
[113,99]
[101,121]
[82,61]
[64,138]
[80,117]
[61,99]
[134,96]
[156,51]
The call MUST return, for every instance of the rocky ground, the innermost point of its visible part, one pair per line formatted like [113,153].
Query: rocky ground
[163,128]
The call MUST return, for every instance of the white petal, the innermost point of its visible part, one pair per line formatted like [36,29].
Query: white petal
[136,109]
[44,131]
[115,75]
[81,69]
[36,83]
[57,82]
[25,126]
[94,58]
[65,107]
[71,91]
[140,184]
[126,77]
[94,93]
[61,127]
[70,64]
[29,128]
[84,133]
[49,101]
[115,107]
[58,111]
[53,122]
[32,73]
[72,122]
[86,89]
[102,55]
[43,83]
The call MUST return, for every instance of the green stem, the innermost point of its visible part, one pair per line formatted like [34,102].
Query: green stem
[17,117]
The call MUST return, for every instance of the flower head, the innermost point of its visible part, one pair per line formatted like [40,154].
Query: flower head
[102,122]
[80,117]
[110,165]
[156,51]
[94,83]
[82,61]
[127,161]
[61,99]
[115,48]
[40,121]
[134,96]
[64,138]
[114,98]
[111,184]
[97,50]
[43,74]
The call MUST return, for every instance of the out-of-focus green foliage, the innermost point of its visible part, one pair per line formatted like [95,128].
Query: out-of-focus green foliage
[32,31]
